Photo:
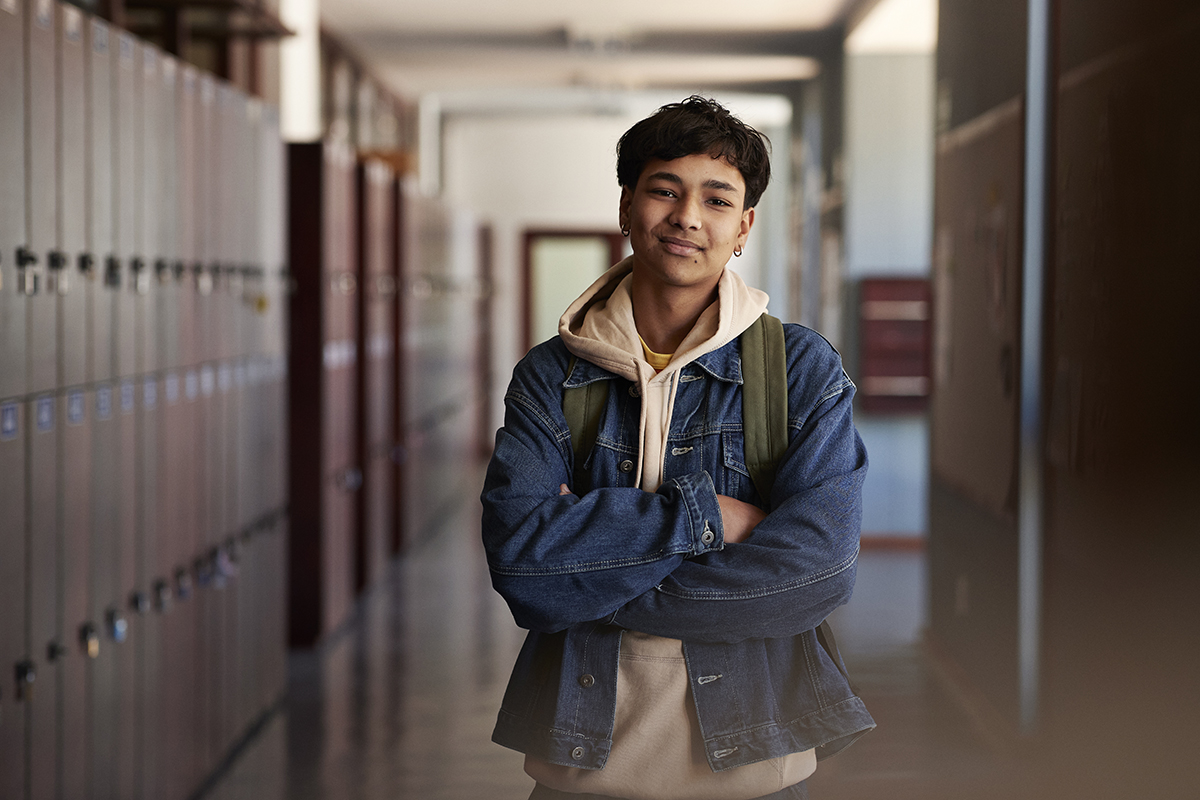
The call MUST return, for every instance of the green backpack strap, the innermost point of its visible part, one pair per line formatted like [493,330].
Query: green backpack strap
[764,401]
[582,406]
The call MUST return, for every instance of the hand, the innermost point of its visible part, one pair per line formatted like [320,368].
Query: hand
[563,489]
[738,518]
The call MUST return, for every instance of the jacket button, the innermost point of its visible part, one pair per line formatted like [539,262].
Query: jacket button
[587,681]
[627,466]
[577,753]
[633,391]
[708,537]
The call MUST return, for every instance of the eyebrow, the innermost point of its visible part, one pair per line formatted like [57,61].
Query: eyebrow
[711,183]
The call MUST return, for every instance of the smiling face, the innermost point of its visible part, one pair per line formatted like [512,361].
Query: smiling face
[685,218]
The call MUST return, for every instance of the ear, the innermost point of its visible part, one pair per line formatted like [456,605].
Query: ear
[747,224]
[623,209]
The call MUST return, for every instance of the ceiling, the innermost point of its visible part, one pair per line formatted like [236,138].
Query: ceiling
[418,46]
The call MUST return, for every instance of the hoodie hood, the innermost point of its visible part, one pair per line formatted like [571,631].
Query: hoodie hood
[599,327]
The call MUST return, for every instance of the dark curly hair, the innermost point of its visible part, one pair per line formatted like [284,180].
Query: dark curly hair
[697,125]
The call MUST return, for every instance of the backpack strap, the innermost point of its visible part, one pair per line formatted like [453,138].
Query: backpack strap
[764,401]
[581,407]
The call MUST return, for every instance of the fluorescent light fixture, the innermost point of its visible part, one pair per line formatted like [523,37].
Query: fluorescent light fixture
[896,26]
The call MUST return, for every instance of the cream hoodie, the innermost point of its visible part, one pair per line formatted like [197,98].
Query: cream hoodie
[658,751]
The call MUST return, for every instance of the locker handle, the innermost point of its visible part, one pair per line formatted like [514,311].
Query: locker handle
[56,259]
[86,263]
[141,281]
[118,628]
[55,651]
[89,640]
[180,268]
[140,602]
[162,596]
[183,584]
[112,272]
[162,269]
[26,257]
[26,675]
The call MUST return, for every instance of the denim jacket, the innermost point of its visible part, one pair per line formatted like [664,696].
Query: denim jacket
[578,570]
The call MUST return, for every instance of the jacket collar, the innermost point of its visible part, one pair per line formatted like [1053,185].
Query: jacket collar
[724,364]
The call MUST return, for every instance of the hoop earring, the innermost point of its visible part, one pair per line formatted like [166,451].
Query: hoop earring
[625,231]
[737,253]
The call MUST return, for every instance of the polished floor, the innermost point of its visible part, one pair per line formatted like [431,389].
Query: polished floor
[400,703]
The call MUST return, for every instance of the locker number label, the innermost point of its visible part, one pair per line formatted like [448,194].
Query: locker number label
[45,414]
[76,408]
[127,397]
[150,393]
[172,384]
[10,422]
[104,403]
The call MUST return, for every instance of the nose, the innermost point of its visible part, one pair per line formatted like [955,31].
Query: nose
[686,213]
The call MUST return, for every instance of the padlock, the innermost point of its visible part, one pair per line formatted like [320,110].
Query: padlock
[89,640]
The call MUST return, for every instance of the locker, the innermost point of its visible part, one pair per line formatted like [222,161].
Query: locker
[99,208]
[12,203]
[187,223]
[63,276]
[150,720]
[106,610]
[376,379]
[41,184]
[148,199]
[321,389]
[130,263]
[12,594]
[79,635]
[43,641]
[129,593]
[204,157]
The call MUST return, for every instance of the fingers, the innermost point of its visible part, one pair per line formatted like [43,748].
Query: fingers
[564,489]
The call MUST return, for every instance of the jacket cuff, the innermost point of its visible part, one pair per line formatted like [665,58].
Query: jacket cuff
[698,497]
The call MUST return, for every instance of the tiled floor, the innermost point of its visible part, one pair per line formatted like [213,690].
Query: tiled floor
[400,704]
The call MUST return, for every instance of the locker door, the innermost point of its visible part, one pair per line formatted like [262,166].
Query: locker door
[12,411]
[187,222]
[127,179]
[106,607]
[12,594]
[41,184]
[99,209]
[43,638]
[63,274]
[80,641]
[150,721]
[12,202]
[147,178]
[128,672]
[75,441]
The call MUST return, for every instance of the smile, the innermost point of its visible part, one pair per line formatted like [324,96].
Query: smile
[680,247]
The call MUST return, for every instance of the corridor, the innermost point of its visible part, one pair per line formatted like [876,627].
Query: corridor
[400,702]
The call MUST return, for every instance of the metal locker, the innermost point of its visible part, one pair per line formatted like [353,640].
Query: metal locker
[13,653]
[147,177]
[99,206]
[63,275]
[375,387]
[205,158]
[12,202]
[106,606]
[79,636]
[150,721]
[187,173]
[40,190]
[43,641]
[130,263]
[130,594]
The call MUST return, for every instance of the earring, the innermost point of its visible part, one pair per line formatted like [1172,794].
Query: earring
[737,253]
[624,230]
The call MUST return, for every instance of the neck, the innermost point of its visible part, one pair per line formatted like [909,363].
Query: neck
[665,315]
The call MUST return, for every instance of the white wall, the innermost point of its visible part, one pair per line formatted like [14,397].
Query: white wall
[888,231]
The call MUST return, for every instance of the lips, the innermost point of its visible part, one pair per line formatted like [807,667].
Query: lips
[680,247]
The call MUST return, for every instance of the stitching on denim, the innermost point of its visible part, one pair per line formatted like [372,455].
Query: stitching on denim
[751,594]
[581,566]
[613,444]
[538,412]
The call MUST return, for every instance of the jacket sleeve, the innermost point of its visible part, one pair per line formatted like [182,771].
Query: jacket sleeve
[799,563]
[562,559]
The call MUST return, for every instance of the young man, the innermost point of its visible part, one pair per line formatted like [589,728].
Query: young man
[672,652]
